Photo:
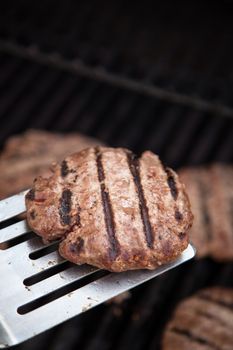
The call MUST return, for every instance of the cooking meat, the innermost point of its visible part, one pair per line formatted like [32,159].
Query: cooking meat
[203,321]
[210,191]
[31,153]
[112,209]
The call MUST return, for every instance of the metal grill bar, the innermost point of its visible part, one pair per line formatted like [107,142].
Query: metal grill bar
[80,68]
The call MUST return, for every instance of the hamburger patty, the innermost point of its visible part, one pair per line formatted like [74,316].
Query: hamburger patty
[112,209]
[210,190]
[203,321]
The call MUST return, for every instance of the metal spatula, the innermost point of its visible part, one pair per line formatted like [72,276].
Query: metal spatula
[39,289]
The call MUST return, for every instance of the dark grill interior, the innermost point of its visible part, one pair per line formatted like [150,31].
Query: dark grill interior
[182,46]
[143,77]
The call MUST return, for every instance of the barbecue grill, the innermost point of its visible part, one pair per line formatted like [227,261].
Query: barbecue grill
[153,76]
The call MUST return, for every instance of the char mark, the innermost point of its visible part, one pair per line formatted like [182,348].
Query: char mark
[187,334]
[78,218]
[64,168]
[181,235]
[203,195]
[171,183]
[178,215]
[208,315]
[134,167]
[32,214]
[65,207]
[107,208]
[30,195]
[77,247]
[207,297]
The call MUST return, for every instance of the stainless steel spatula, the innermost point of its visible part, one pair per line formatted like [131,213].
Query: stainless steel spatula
[39,289]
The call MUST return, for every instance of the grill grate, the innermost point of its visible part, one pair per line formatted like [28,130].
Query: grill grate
[43,97]
[171,98]
[179,50]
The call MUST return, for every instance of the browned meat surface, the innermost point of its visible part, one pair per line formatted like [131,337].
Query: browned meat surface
[30,154]
[202,322]
[210,191]
[112,209]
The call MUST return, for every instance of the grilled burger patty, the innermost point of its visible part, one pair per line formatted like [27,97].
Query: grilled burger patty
[202,322]
[112,209]
[210,191]
[32,153]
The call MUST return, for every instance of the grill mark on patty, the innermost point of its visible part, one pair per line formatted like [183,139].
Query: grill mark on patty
[209,316]
[203,195]
[181,235]
[78,218]
[171,183]
[64,168]
[114,250]
[178,215]
[187,334]
[134,167]
[206,297]
[65,207]
[31,195]
[77,247]
[32,214]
